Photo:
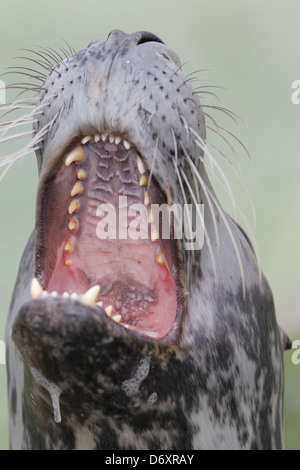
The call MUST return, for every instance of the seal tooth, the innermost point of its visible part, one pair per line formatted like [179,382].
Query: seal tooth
[126,144]
[154,235]
[45,294]
[146,198]
[74,296]
[77,189]
[140,165]
[81,174]
[160,259]
[36,289]
[68,262]
[118,140]
[53,294]
[73,224]
[143,180]
[150,217]
[104,137]
[111,139]
[76,155]
[66,295]
[86,139]
[108,310]
[100,304]
[89,298]
[116,318]
[97,138]
[69,248]
[73,207]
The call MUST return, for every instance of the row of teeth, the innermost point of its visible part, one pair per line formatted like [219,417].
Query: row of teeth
[77,155]
[88,298]
[104,137]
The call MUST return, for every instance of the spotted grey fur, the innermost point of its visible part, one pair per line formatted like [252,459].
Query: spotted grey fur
[221,385]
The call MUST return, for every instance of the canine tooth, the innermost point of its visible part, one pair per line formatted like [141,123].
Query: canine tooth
[126,144]
[74,206]
[36,289]
[117,140]
[111,139]
[81,174]
[150,217]
[77,189]
[154,235]
[68,262]
[160,259]
[86,139]
[97,138]
[76,155]
[146,198]
[143,180]
[89,298]
[108,310]
[73,224]
[116,318]
[69,248]
[140,165]
[104,137]
[100,304]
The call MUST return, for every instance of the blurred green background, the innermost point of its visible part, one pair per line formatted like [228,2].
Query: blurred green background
[252,49]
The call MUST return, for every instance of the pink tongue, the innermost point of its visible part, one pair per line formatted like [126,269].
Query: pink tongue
[139,289]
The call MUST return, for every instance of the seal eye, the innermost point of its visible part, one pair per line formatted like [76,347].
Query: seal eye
[145,36]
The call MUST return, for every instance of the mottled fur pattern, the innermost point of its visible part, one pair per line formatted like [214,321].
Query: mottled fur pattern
[221,385]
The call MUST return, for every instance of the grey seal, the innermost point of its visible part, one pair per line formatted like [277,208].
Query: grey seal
[135,344]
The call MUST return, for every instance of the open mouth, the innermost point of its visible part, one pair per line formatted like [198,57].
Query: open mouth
[97,241]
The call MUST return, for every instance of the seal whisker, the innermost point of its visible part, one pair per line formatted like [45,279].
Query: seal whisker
[245,220]
[153,163]
[234,137]
[12,157]
[240,177]
[204,187]
[40,54]
[227,142]
[226,111]
[28,69]
[185,201]
[42,64]
[202,223]
[202,144]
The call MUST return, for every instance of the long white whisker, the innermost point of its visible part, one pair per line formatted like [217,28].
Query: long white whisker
[220,212]
[250,230]
[234,137]
[31,146]
[185,201]
[15,137]
[227,142]
[203,186]
[202,144]
[241,179]
[203,225]
[175,162]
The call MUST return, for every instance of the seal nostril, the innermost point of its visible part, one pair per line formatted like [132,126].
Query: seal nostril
[145,36]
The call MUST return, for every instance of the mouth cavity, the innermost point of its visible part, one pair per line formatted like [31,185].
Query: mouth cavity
[97,240]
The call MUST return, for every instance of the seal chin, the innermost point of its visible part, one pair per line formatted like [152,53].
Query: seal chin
[102,238]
